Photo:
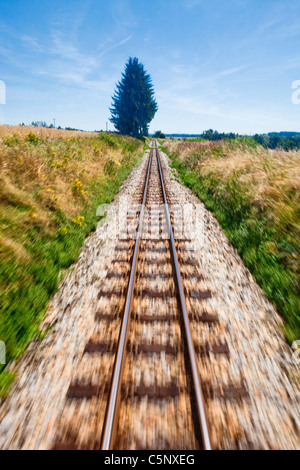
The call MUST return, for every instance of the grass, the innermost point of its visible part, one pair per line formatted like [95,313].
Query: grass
[51,184]
[254,193]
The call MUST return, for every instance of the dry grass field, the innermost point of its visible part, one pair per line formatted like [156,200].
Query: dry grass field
[51,182]
[255,194]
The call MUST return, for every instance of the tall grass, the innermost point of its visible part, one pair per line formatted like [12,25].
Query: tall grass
[254,193]
[51,183]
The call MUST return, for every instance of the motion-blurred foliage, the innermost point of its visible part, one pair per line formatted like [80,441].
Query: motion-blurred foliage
[51,183]
[255,194]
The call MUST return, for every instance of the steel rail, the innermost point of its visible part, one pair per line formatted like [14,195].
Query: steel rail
[110,424]
[191,350]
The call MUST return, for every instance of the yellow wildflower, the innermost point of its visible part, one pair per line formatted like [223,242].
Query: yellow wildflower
[78,220]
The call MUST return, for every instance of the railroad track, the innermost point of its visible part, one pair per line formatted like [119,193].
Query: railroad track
[174,310]
[149,393]
[119,368]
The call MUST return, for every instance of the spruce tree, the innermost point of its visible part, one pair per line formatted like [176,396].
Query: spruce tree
[134,105]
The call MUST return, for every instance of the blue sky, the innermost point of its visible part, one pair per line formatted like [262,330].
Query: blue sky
[227,65]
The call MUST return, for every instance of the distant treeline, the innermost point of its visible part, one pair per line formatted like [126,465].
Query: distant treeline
[41,124]
[284,140]
[51,126]
[44,124]
[272,140]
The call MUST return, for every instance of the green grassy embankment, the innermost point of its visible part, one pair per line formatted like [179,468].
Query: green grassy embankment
[254,194]
[51,183]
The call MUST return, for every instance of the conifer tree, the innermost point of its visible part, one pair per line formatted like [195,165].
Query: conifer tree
[134,105]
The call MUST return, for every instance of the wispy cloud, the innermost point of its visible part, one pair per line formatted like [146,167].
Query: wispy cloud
[5,52]
[190,77]
[69,52]
[124,14]
[32,43]
[280,28]
[71,66]
[72,77]
[232,71]
[115,46]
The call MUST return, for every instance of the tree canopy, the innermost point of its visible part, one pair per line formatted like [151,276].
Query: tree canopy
[133,103]
[159,135]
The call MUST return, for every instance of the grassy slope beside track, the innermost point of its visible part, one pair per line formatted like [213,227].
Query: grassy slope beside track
[254,193]
[51,183]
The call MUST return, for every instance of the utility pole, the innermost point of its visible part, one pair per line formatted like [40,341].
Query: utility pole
[106,126]
[54,122]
